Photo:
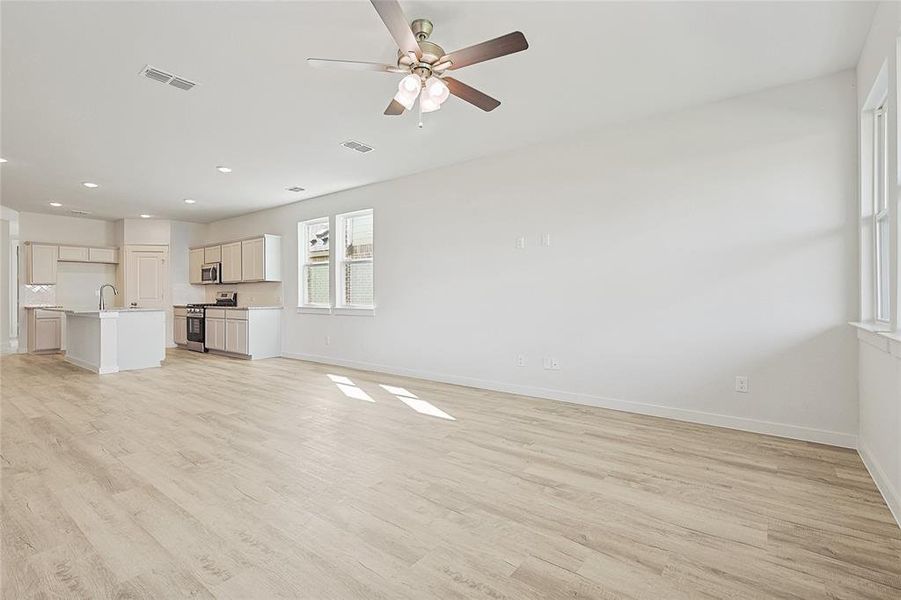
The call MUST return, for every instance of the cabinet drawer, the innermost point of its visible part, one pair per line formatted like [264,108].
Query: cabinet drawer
[236,315]
[46,314]
[180,312]
[73,253]
[215,313]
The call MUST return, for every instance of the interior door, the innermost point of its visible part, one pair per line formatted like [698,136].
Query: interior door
[146,277]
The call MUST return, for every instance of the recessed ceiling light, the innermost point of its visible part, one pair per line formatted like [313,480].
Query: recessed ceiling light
[296,189]
[56,204]
[189,201]
[223,169]
[145,216]
[2,160]
[89,184]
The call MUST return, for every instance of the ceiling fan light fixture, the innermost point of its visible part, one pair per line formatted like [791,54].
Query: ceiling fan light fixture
[437,89]
[410,84]
[429,103]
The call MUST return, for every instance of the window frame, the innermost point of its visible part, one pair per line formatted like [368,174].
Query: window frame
[881,216]
[341,307]
[304,262]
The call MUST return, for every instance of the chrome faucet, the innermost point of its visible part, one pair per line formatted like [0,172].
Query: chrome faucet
[115,293]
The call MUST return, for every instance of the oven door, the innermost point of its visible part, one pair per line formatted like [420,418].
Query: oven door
[195,333]
[209,273]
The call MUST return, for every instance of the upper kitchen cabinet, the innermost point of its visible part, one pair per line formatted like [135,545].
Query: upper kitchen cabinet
[73,253]
[88,254]
[103,255]
[212,254]
[261,259]
[195,264]
[40,263]
[231,263]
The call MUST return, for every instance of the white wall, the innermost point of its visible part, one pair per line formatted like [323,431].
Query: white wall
[880,355]
[686,249]
[37,227]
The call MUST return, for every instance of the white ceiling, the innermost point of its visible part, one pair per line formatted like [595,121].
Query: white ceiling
[74,108]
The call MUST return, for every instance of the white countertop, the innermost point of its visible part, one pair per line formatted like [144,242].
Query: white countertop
[94,311]
[272,307]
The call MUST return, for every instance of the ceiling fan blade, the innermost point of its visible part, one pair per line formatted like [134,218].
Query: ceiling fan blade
[502,46]
[398,25]
[395,108]
[352,65]
[471,95]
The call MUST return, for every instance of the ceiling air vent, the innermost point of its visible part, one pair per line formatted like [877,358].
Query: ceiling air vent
[182,84]
[296,189]
[164,77]
[76,211]
[352,145]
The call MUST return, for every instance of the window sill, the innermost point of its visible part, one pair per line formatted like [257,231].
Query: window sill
[353,311]
[314,310]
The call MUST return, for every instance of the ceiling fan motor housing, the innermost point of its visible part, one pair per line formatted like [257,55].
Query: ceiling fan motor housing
[431,52]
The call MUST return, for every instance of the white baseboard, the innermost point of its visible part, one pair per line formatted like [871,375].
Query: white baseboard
[86,365]
[883,483]
[807,434]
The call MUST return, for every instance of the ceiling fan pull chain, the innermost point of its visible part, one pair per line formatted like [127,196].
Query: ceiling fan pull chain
[420,111]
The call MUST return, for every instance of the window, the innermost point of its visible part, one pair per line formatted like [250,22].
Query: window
[313,238]
[353,265]
[881,227]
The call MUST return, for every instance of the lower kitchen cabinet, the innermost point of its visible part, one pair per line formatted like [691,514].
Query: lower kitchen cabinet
[236,336]
[215,333]
[252,333]
[45,331]
[180,330]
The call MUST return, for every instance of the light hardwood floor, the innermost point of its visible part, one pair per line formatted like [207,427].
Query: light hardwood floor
[213,477]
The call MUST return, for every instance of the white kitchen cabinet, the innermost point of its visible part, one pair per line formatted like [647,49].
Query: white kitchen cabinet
[195,265]
[231,263]
[215,333]
[73,253]
[261,259]
[44,330]
[252,260]
[102,255]
[212,254]
[180,330]
[236,336]
[40,263]
[47,335]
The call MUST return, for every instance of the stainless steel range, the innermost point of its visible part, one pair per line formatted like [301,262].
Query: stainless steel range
[196,313]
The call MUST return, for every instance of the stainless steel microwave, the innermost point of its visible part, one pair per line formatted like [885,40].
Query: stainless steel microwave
[209,273]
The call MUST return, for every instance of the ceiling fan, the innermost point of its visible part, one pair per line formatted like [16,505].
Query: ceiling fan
[426,64]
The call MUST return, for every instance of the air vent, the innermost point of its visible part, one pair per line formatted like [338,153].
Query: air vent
[75,211]
[352,145]
[164,77]
[182,84]
[296,189]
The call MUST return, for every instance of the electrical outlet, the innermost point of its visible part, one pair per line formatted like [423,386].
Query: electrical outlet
[742,384]
[328,340]
[520,360]
[520,242]
[551,364]
[546,240]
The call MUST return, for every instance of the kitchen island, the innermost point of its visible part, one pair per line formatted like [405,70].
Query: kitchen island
[116,339]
